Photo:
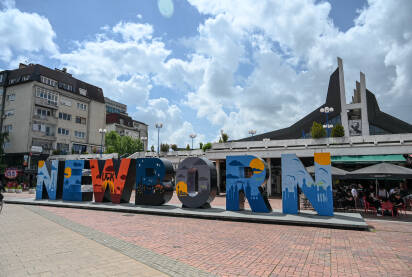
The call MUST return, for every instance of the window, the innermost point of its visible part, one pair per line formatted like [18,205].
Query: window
[65,86]
[43,112]
[48,81]
[25,78]
[12,81]
[82,106]
[1,78]
[65,116]
[11,97]
[8,128]
[62,131]
[78,148]
[63,147]
[83,91]
[65,102]
[9,113]
[80,120]
[48,95]
[79,134]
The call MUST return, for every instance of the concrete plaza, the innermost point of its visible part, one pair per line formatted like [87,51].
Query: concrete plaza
[38,241]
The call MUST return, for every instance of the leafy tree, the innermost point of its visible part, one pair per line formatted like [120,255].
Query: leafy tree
[207,146]
[174,147]
[200,145]
[225,137]
[152,148]
[317,130]
[164,147]
[188,147]
[338,131]
[122,144]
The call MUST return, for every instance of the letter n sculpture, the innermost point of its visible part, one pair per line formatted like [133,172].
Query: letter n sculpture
[319,193]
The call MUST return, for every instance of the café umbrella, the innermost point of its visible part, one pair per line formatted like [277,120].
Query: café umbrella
[381,171]
[336,172]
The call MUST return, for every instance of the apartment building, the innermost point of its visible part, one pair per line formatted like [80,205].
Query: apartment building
[114,106]
[124,125]
[48,111]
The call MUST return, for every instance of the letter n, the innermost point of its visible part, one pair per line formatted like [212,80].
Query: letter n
[319,193]
[49,180]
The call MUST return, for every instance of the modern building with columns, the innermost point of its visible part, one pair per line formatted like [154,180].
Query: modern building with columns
[371,136]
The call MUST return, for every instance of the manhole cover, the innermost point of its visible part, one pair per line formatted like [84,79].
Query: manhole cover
[176,246]
[128,215]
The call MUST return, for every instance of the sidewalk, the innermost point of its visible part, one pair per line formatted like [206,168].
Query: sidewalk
[31,245]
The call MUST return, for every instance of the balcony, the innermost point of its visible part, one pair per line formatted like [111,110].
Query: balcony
[45,103]
[49,119]
[44,135]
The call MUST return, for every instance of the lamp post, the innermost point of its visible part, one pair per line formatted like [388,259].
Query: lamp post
[192,136]
[158,126]
[326,111]
[252,132]
[143,139]
[102,132]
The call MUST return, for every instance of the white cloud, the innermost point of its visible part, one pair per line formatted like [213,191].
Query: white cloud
[24,33]
[294,46]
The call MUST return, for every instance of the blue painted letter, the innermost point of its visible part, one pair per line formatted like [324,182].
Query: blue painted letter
[319,193]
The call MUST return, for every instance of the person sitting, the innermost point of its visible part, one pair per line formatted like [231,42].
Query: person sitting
[404,190]
[348,200]
[373,200]
[383,193]
[397,203]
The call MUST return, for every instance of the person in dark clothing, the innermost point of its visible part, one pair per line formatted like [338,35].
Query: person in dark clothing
[397,203]
[371,198]
[1,190]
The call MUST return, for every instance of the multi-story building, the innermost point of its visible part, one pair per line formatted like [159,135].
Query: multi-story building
[124,125]
[115,107]
[48,110]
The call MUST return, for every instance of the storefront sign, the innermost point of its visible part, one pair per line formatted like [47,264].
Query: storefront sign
[196,182]
[11,173]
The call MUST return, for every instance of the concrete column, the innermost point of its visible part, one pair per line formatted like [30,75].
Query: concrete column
[218,175]
[269,183]
[344,112]
[364,106]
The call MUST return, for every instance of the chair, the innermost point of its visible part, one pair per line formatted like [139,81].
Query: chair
[368,206]
[402,208]
[387,206]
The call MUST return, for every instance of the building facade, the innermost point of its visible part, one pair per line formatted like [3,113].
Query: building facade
[48,111]
[114,106]
[124,125]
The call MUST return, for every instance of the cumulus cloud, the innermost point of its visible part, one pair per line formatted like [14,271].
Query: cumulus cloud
[294,46]
[24,33]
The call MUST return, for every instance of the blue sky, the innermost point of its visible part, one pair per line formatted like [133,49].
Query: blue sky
[213,65]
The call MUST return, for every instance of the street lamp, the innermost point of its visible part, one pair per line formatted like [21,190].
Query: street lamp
[158,126]
[143,139]
[326,111]
[252,132]
[192,136]
[102,132]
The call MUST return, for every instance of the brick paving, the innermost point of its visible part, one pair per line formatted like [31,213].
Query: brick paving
[31,245]
[248,249]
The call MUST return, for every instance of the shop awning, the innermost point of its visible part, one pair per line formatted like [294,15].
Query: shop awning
[368,159]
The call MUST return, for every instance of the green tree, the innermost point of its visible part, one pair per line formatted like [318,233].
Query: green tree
[152,148]
[164,147]
[207,146]
[317,130]
[200,145]
[338,131]
[188,147]
[174,147]
[225,137]
[122,144]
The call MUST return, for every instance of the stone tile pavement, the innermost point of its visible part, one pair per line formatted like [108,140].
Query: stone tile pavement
[249,249]
[31,244]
